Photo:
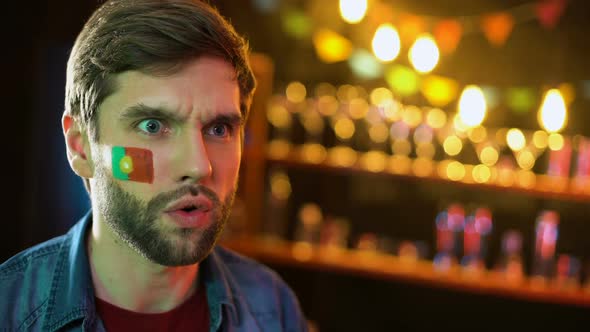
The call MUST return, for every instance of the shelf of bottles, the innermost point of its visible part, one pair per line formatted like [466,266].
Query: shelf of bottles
[349,129]
[408,267]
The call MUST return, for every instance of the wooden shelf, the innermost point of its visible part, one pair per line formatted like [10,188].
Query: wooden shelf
[393,268]
[538,185]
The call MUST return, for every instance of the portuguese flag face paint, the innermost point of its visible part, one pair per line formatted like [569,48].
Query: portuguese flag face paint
[133,164]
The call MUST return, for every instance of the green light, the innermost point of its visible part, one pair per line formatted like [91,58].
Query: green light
[402,80]
[364,65]
[520,100]
[296,23]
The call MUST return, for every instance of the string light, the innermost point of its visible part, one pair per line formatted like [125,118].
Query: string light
[553,112]
[386,43]
[424,54]
[472,106]
[353,11]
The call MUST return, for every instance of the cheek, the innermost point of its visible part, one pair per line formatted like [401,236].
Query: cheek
[226,166]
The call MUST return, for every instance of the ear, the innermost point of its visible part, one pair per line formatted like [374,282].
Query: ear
[77,147]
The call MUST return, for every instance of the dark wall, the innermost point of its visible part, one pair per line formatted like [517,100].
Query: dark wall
[41,194]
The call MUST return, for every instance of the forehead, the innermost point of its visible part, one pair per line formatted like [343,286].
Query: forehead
[202,88]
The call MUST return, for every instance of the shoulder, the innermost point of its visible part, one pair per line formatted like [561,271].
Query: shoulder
[26,279]
[248,271]
[29,258]
[263,289]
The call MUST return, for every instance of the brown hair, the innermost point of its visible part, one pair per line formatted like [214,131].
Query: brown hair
[155,37]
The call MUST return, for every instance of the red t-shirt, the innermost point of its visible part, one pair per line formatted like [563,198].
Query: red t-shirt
[192,315]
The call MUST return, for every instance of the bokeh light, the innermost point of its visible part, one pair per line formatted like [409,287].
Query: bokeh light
[472,106]
[342,156]
[400,164]
[380,95]
[374,161]
[412,116]
[327,105]
[278,116]
[402,80]
[280,185]
[422,167]
[455,171]
[453,145]
[353,11]
[489,156]
[330,46]
[379,133]
[553,112]
[477,134]
[424,54]
[364,65]
[481,173]
[314,153]
[438,90]
[540,139]
[344,128]
[436,118]
[526,160]
[401,147]
[555,142]
[296,92]
[358,108]
[386,43]
[515,139]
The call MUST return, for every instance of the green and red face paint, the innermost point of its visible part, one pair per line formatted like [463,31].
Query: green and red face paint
[133,164]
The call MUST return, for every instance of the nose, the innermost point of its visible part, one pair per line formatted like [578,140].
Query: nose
[193,161]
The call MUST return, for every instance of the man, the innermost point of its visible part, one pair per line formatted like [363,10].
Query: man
[157,94]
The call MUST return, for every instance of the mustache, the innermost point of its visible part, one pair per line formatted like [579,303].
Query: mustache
[160,201]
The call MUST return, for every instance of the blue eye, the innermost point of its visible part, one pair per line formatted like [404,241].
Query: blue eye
[220,130]
[150,126]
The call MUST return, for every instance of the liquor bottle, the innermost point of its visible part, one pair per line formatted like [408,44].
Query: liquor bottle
[478,227]
[511,265]
[546,234]
[449,226]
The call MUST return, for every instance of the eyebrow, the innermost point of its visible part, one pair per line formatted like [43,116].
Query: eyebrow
[234,119]
[144,111]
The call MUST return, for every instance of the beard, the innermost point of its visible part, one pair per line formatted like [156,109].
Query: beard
[137,222]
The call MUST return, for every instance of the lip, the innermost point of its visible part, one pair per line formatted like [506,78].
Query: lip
[198,217]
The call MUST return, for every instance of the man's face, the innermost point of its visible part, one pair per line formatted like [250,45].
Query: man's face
[191,123]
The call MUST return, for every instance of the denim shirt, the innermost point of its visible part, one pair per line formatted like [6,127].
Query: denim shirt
[49,288]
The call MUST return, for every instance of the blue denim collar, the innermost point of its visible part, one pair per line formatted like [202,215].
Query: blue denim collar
[72,294]
[218,280]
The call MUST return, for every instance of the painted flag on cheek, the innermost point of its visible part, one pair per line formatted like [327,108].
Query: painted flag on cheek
[133,164]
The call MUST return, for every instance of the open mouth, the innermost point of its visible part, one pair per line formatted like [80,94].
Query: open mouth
[189,209]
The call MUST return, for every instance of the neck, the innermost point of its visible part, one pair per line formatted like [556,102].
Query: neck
[124,278]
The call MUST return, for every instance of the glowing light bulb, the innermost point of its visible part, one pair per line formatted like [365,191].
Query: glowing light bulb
[515,139]
[353,11]
[553,112]
[424,54]
[386,43]
[472,106]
